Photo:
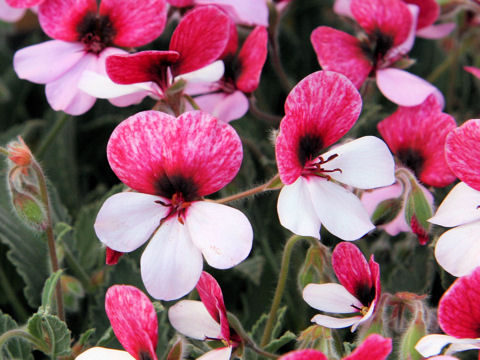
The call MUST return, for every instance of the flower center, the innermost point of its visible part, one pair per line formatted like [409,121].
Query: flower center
[96,32]
[412,159]
[177,207]
[363,310]
[314,167]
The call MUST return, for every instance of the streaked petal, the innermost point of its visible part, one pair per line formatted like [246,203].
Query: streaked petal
[100,353]
[191,318]
[22,3]
[331,297]
[429,12]
[247,12]
[307,354]
[374,347]
[335,323]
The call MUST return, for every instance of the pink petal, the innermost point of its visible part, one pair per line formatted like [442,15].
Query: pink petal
[398,51]
[341,52]
[128,219]
[405,89]
[23,3]
[212,297]
[251,59]
[191,318]
[100,353]
[136,23]
[34,63]
[319,110]
[196,154]
[223,353]
[133,320]
[307,354]
[171,264]
[365,163]
[374,347]
[390,18]
[60,18]
[246,12]
[462,152]
[180,3]
[459,307]
[9,13]
[232,45]
[417,136]
[335,323]
[223,234]
[429,12]
[342,8]
[112,256]
[225,107]
[436,31]
[199,38]
[472,70]
[331,297]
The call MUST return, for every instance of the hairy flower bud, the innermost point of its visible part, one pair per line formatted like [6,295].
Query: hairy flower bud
[29,209]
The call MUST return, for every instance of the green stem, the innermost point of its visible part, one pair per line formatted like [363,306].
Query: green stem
[192,102]
[277,63]
[52,134]
[77,268]
[22,334]
[42,184]
[273,120]
[249,192]
[9,293]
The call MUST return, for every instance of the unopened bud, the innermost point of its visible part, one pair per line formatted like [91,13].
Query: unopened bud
[29,210]
[386,211]
[319,338]
[19,153]
[417,212]
[415,331]
[313,269]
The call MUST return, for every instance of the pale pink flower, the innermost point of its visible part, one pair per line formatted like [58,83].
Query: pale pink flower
[318,112]
[84,36]
[358,293]
[9,13]
[173,163]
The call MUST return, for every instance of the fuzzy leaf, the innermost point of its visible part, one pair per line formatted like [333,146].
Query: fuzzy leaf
[48,291]
[15,348]
[276,344]
[52,331]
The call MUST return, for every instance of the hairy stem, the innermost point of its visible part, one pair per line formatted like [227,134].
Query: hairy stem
[249,192]
[52,134]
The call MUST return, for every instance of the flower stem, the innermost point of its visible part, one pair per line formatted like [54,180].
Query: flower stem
[276,62]
[22,334]
[273,120]
[61,121]
[249,192]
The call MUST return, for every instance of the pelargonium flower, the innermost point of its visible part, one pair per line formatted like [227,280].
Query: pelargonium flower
[459,318]
[389,26]
[458,249]
[374,347]
[134,323]
[172,163]
[416,136]
[358,292]
[205,319]
[84,36]
[199,39]
[319,110]
[226,99]
[9,13]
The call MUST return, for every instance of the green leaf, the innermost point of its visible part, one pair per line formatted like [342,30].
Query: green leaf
[84,337]
[48,291]
[177,351]
[418,206]
[386,211]
[278,326]
[15,348]
[257,329]
[276,344]
[252,268]
[52,331]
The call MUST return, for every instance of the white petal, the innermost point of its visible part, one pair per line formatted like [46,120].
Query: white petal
[222,233]
[217,354]
[171,264]
[459,207]
[100,353]
[341,212]
[191,318]
[128,219]
[458,249]
[47,61]
[331,297]
[463,345]
[295,209]
[209,73]
[366,163]
[335,323]
[433,344]
[365,317]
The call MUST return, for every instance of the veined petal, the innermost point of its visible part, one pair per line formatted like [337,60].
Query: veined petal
[374,347]
[462,152]
[296,211]
[225,107]
[171,264]
[341,52]
[133,319]
[136,23]
[247,12]
[22,3]
[341,212]
[223,353]
[433,344]
[335,323]
[191,318]
[436,31]
[459,207]
[128,219]
[429,12]
[101,353]
[307,354]
[405,89]
[331,297]
[223,234]
[34,63]
[458,250]
[365,163]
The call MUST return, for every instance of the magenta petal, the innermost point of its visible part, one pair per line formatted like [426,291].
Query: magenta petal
[462,152]
[341,52]
[151,148]
[60,18]
[23,3]
[459,307]
[251,58]
[307,354]
[246,12]
[319,110]
[180,3]
[133,320]
[374,347]
[473,70]
[388,17]
[429,12]
[199,38]
[211,295]
[136,22]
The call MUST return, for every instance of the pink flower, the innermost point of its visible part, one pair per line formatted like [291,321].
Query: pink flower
[9,13]
[358,293]
[390,33]
[172,163]
[459,318]
[318,112]
[206,319]
[225,99]
[84,38]
[458,249]
[199,39]
[134,322]
[473,70]
[374,347]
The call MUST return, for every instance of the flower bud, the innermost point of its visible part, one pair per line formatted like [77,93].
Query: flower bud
[415,331]
[417,212]
[29,209]
[386,211]
[19,153]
